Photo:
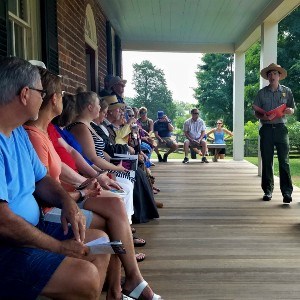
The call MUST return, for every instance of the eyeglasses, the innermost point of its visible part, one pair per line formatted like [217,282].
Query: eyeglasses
[195,113]
[42,92]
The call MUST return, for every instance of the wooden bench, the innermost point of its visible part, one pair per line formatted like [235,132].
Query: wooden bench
[217,148]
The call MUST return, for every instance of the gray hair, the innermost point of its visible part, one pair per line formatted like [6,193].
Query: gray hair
[15,74]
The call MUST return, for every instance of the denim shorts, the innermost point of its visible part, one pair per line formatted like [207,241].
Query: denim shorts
[54,215]
[24,272]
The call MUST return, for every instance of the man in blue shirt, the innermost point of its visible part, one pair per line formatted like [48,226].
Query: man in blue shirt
[37,257]
[162,129]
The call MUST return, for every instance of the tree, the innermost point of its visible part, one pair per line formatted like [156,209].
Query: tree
[151,88]
[215,88]
[251,80]
[289,53]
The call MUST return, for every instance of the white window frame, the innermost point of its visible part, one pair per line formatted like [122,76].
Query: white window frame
[31,30]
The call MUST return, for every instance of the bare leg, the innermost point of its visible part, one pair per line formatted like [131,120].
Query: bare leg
[111,214]
[78,278]
[114,278]
[186,146]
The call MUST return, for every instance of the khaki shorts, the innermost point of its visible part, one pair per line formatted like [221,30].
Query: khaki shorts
[168,141]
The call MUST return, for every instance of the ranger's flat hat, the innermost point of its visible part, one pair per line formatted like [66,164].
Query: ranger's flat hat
[273,67]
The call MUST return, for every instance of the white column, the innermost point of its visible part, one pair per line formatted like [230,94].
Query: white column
[268,55]
[238,105]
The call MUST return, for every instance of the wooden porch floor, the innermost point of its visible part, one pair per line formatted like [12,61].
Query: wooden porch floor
[216,239]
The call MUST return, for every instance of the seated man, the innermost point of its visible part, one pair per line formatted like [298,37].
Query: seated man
[37,257]
[162,130]
[194,130]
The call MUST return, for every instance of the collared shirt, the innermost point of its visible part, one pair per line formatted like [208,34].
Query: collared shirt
[194,128]
[268,100]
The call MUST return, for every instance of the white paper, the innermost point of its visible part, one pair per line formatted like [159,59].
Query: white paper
[104,246]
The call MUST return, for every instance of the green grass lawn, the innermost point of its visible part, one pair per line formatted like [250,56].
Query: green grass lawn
[294,165]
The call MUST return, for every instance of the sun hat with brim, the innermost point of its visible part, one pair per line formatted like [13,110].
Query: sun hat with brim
[115,80]
[112,102]
[273,67]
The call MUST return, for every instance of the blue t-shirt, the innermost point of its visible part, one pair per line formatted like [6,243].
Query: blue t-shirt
[162,128]
[20,169]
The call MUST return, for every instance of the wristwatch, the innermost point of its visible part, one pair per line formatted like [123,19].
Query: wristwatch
[82,195]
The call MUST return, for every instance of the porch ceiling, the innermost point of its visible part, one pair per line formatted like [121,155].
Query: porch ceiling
[192,25]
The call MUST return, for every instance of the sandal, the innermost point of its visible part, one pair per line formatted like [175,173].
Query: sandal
[137,292]
[140,257]
[138,242]
[156,189]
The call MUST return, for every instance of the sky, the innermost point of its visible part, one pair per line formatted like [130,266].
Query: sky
[179,69]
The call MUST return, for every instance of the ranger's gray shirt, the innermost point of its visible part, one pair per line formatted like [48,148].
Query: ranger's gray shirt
[268,100]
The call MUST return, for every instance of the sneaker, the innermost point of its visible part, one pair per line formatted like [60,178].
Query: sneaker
[165,158]
[185,160]
[267,197]
[204,160]
[160,159]
[287,198]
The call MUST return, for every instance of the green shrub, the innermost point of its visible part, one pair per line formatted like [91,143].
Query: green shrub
[294,135]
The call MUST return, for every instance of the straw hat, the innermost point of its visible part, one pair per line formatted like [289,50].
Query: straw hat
[112,102]
[273,67]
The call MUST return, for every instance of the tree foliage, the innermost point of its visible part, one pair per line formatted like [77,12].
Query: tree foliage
[214,92]
[289,53]
[151,88]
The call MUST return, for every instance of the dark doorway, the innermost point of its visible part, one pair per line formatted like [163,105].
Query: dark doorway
[90,68]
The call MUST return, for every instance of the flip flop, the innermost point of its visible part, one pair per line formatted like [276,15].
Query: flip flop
[137,292]
[155,188]
[138,242]
[140,257]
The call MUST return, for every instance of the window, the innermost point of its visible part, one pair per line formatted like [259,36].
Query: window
[24,41]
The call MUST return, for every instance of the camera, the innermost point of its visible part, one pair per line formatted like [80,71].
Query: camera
[134,127]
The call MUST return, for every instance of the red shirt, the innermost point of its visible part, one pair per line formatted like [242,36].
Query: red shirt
[64,155]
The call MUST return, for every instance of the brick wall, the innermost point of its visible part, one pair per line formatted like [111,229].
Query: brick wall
[71,42]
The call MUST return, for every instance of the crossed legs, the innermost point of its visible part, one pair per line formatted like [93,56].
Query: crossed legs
[110,215]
